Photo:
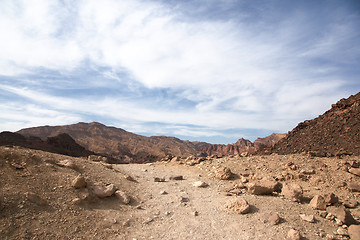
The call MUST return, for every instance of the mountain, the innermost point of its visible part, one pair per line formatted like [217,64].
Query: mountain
[336,132]
[62,143]
[129,147]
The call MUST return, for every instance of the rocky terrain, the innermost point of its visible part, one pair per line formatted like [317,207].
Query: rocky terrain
[128,147]
[335,132]
[51,196]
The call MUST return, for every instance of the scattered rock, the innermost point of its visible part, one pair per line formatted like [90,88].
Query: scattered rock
[341,231]
[122,196]
[307,218]
[318,202]
[129,178]
[148,220]
[223,173]
[196,213]
[292,191]
[34,198]
[354,232]
[264,187]
[67,163]
[200,184]
[271,218]
[178,177]
[355,171]
[76,201]
[342,214]
[158,179]
[163,192]
[103,191]
[352,203]
[331,198]
[238,205]
[307,171]
[97,158]
[293,235]
[108,165]
[79,182]
[354,187]
[184,199]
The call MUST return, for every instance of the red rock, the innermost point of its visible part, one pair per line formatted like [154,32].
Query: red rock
[318,202]
[238,205]
[292,191]
[354,232]
[342,214]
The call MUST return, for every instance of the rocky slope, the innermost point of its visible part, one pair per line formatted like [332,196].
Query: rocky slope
[336,132]
[128,147]
[62,143]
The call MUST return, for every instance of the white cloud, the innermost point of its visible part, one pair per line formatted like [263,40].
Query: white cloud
[236,73]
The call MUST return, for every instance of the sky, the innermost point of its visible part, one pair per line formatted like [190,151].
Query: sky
[205,70]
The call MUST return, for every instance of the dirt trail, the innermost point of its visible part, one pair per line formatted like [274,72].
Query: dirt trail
[166,217]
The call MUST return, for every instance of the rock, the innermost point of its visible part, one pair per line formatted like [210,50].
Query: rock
[76,201]
[264,187]
[184,199]
[331,198]
[200,184]
[174,159]
[129,178]
[318,202]
[163,192]
[103,191]
[34,198]
[352,203]
[307,171]
[223,173]
[122,196]
[307,218]
[79,182]
[97,158]
[178,177]
[354,187]
[293,235]
[292,191]
[196,213]
[108,165]
[238,205]
[341,231]
[342,214]
[271,218]
[355,171]
[354,232]
[158,179]
[67,163]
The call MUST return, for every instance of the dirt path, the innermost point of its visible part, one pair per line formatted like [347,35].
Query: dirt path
[165,216]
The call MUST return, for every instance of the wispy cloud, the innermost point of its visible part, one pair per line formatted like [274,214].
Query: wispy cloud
[214,66]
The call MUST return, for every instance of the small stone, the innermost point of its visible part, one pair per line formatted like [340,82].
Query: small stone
[196,213]
[352,203]
[158,179]
[200,184]
[177,177]
[355,171]
[167,213]
[271,218]
[79,182]
[129,178]
[318,202]
[67,163]
[163,192]
[307,218]
[293,235]
[238,205]
[122,196]
[243,179]
[329,216]
[292,191]
[338,222]
[76,201]
[103,191]
[354,232]
[223,173]
[108,165]
[354,187]
[330,237]
[148,220]
[184,199]
[342,214]
[331,198]
[342,231]
[34,198]
[264,187]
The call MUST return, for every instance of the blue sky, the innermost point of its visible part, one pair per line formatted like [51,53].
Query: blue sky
[210,70]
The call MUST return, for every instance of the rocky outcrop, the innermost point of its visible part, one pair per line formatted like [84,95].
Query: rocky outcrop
[336,132]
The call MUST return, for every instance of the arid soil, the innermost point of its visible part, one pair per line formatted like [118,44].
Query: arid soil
[39,201]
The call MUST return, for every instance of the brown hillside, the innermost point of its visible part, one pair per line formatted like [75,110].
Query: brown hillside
[336,132]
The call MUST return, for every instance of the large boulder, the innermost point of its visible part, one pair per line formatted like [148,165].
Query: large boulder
[318,202]
[342,214]
[264,187]
[354,232]
[292,191]
[238,205]
[103,191]
[223,173]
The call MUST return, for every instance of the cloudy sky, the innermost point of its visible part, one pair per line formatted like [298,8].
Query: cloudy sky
[209,70]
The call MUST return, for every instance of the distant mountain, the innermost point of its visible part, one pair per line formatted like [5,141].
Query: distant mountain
[62,143]
[129,147]
[336,132]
